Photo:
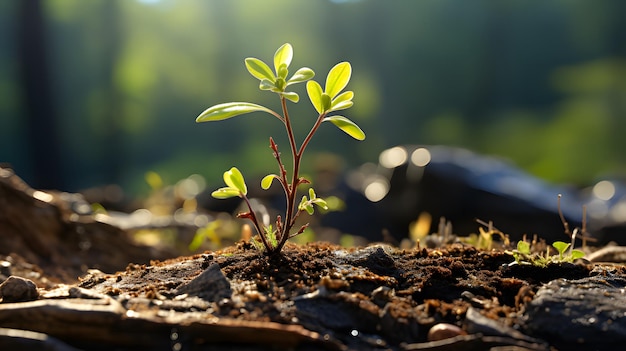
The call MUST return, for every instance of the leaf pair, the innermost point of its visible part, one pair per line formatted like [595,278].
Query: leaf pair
[236,185]
[562,247]
[330,100]
[327,100]
[277,81]
[307,203]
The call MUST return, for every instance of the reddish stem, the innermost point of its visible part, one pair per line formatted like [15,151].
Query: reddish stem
[252,216]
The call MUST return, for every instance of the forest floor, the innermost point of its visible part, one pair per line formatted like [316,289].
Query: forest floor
[312,297]
[316,296]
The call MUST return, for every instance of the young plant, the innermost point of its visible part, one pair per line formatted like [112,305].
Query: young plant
[565,255]
[523,255]
[325,101]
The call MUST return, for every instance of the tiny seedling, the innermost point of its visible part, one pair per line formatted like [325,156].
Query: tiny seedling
[325,101]
[523,255]
[566,251]
[484,240]
[566,255]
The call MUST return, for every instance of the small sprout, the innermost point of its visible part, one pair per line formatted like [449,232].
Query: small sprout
[306,204]
[523,247]
[207,232]
[236,185]
[271,235]
[523,254]
[560,247]
[325,101]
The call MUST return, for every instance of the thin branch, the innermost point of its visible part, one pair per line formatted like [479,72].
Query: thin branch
[565,224]
[252,216]
[281,167]
[309,136]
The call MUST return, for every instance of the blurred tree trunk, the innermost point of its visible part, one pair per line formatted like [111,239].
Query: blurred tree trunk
[112,113]
[44,148]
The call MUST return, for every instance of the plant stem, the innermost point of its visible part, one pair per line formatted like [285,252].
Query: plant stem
[290,189]
[283,173]
[310,135]
[252,216]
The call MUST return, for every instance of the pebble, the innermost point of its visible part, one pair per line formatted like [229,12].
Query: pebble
[18,289]
[444,331]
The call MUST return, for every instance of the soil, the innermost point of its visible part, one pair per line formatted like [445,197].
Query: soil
[317,296]
[312,297]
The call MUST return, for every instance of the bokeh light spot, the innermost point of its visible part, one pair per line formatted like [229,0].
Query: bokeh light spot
[393,157]
[421,157]
[604,190]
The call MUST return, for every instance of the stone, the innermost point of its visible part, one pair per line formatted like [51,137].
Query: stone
[581,314]
[18,289]
[210,285]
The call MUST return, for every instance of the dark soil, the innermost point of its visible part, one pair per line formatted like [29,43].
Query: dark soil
[310,297]
[316,296]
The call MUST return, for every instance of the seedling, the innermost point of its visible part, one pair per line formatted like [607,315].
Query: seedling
[325,101]
[484,239]
[523,255]
[565,255]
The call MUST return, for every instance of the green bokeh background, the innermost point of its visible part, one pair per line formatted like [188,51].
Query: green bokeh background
[542,83]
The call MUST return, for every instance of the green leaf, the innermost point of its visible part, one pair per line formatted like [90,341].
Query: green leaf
[234,179]
[283,56]
[314,89]
[345,96]
[279,85]
[283,72]
[305,205]
[259,69]
[340,106]
[523,247]
[337,79]
[225,193]
[258,244]
[560,246]
[270,235]
[321,203]
[342,102]
[266,85]
[301,75]
[291,96]
[228,110]
[266,182]
[325,102]
[312,194]
[347,126]
[577,254]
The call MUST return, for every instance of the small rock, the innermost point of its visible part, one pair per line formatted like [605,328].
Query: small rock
[210,285]
[582,314]
[444,331]
[476,323]
[17,289]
